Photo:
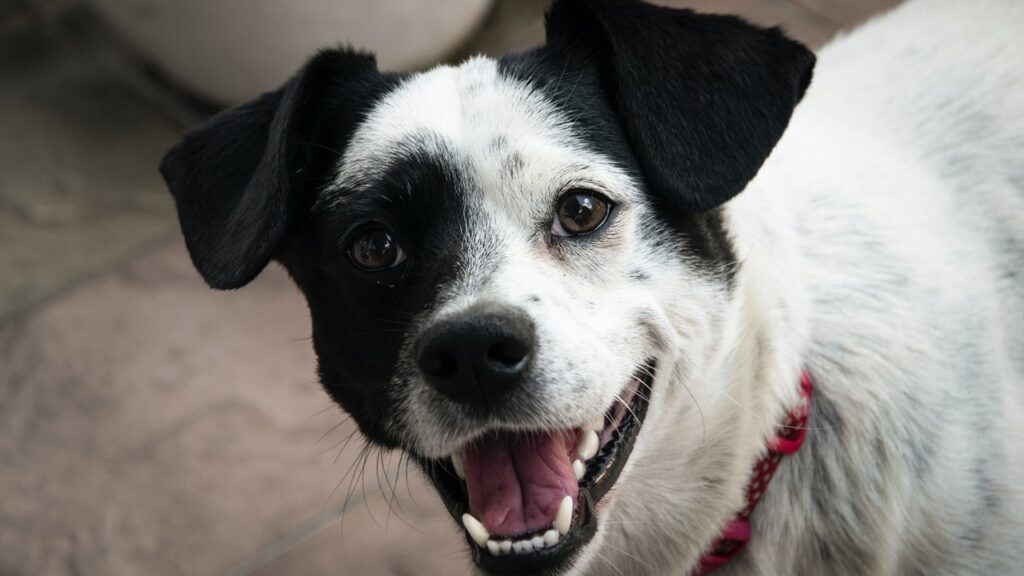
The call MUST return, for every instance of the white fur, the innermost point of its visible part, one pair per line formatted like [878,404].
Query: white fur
[874,244]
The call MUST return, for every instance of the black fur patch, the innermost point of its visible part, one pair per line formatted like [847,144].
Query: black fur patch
[361,319]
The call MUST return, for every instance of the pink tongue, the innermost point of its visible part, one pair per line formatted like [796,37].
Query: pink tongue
[516,481]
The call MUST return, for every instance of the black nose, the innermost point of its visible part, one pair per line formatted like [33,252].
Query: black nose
[479,355]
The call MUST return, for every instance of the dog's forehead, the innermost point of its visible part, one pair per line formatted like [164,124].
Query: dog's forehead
[515,142]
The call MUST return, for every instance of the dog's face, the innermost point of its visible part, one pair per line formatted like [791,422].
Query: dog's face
[508,263]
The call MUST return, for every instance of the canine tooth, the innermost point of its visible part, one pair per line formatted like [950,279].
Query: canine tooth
[563,517]
[579,469]
[493,548]
[457,464]
[588,444]
[506,546]
[538,542]
[476,530]
[597,424]
[551,538]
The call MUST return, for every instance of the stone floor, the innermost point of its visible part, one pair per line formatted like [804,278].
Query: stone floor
[147,424]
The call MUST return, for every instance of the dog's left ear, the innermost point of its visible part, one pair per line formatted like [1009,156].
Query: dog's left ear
[703,98]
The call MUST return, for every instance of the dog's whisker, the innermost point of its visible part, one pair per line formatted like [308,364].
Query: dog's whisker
[351,483]
[340,481]
[362,486]
[763,420]
[332,429]
[629,409]
[609,562]
[408,488]
[703,422]
[628,555]
[344,441]
[331,406]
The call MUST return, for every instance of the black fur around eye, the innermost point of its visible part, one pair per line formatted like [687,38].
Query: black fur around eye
[580,212]
[375,249]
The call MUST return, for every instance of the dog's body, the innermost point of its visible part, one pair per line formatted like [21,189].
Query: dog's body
[878,248]
[882,247]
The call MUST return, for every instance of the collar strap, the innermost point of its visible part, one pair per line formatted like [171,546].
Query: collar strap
[788,440]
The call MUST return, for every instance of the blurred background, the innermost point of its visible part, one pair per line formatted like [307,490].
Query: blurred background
[149,425]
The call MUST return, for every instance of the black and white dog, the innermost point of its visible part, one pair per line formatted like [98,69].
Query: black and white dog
[538,277]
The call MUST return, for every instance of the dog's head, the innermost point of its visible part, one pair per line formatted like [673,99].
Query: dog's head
[508,263]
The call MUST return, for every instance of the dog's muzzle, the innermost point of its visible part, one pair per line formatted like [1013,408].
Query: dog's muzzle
[527,499]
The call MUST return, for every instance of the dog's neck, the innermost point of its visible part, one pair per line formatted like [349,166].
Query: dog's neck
[737,532]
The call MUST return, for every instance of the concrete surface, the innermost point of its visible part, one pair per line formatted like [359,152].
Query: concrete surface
[147,424]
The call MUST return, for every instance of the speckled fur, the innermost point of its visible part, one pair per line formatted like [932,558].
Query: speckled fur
[881,246]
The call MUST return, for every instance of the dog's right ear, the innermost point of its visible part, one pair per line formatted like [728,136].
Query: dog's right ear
[241,180]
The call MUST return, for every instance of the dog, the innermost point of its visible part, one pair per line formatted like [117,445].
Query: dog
[667,294]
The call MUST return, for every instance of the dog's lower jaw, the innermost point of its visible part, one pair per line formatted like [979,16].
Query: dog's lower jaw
[572,531]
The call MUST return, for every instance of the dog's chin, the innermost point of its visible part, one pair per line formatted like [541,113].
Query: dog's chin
[541,540]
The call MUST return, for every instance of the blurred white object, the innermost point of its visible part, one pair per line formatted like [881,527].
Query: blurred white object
[232,50]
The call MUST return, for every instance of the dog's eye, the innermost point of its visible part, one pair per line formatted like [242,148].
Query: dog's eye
[579,212]
[375,250]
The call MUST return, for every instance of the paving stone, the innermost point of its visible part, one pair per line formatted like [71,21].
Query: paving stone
[149,425]
[78,183]
[423,542]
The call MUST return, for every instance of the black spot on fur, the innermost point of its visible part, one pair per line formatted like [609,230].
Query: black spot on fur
[705,237]
[498,144]
[512,165]
[638,275]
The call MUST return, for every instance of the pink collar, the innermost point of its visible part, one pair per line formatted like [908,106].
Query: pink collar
[789,439]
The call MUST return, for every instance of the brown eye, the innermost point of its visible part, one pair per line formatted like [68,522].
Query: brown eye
[376,250]
[579,212]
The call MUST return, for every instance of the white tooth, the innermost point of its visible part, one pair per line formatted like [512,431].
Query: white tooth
[493,548]
[506,546]
[579,469]
[517,546]
[538,542]
[551,538]
[596,425]
[563,517]
[476,530]
[527,547]
[588,444]
[457,464]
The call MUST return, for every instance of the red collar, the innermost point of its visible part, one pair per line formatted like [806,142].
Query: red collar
[789,439]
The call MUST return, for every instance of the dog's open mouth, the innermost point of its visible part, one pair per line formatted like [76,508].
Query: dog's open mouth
[527,500]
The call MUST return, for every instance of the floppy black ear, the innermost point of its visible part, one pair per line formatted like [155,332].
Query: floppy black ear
[241,180]
[703,98]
